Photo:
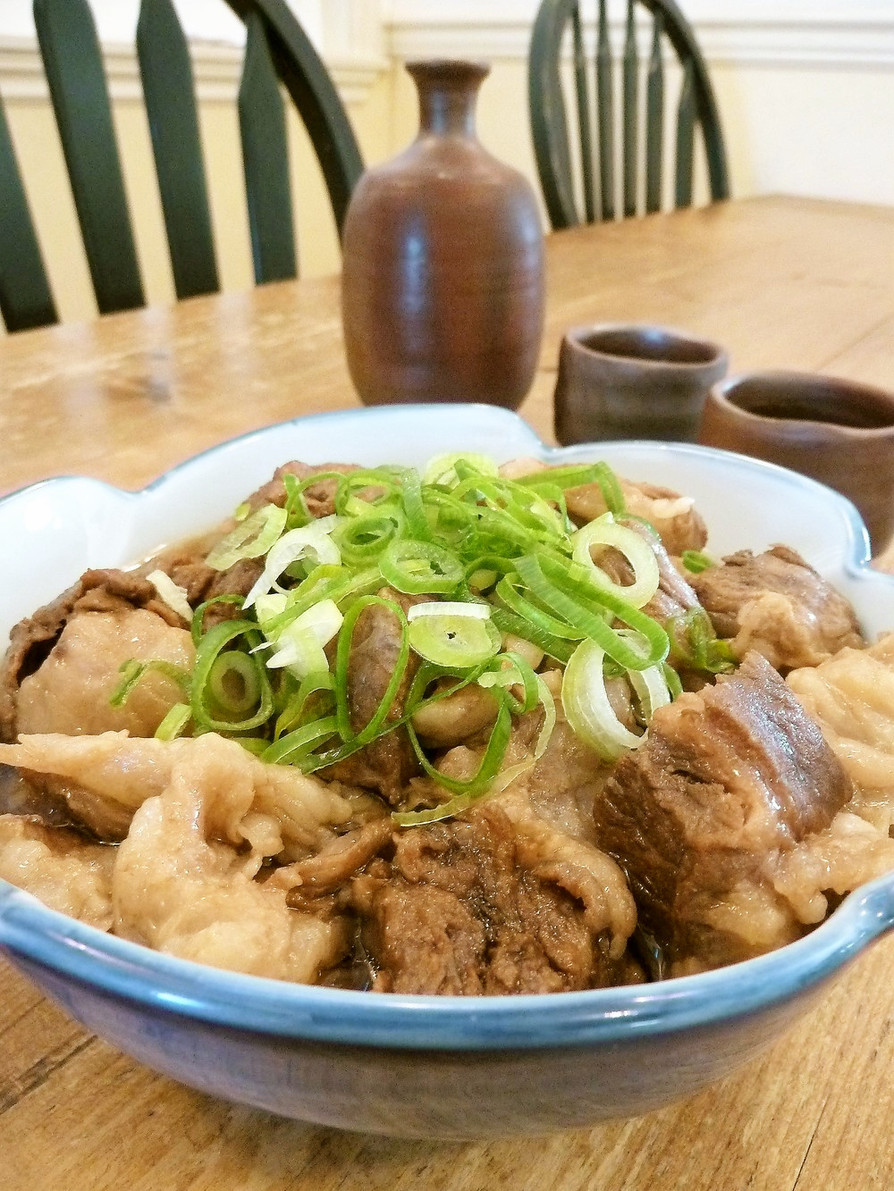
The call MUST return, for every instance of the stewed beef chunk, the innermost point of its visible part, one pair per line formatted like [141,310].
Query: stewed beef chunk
[319,496]
[387,763]
[453,911]
[779,605]
[728,780]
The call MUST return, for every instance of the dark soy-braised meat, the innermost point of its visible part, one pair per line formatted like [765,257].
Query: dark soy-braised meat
[728,779]
[319,497]
[454,912]
[678,523]
[779,605]
[386,764]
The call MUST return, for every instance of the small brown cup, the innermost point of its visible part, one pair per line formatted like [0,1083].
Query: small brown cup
[633,381]
[836,431]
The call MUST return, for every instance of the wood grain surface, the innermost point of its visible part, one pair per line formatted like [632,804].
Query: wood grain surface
[781,283]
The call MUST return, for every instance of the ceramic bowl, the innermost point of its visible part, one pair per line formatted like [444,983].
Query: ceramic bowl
[418,1066]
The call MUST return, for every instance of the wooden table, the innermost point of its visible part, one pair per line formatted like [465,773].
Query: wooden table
[782,283]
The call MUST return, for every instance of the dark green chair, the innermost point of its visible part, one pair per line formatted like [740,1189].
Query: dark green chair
[277,53]
[608,160]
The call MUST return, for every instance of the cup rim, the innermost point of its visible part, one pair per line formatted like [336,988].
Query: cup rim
[784,426]
[716,354]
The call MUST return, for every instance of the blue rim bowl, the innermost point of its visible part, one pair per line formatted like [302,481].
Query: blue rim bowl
[418,1066]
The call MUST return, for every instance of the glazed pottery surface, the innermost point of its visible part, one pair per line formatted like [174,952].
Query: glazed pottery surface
[836,431]
[442,277]
[426,1066]
[620,381]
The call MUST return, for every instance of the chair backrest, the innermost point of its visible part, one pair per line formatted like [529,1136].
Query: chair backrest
[608,160]
[277,52]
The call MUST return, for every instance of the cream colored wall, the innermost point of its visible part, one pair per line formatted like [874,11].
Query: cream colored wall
[814,130]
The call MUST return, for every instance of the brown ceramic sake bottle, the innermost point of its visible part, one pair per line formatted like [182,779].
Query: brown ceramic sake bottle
[442,283]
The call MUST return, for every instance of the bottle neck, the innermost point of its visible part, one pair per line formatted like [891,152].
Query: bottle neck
[448,92]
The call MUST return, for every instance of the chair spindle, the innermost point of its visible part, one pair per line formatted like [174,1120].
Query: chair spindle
[655,118]
[583,117]
[685,137]
[606,109]
[265,159]
[169,93]
[76,79]
[631,113]
[25,298]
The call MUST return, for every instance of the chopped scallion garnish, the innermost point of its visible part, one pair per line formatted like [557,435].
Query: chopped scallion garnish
[500,569]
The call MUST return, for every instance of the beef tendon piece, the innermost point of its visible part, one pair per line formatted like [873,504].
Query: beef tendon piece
[62,663]
[778,605]
[729,780]
[457,911]
[107,778]
[64,870]
[184,879]
[851,697]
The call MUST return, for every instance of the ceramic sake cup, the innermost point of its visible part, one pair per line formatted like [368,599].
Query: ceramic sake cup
[626,381]
[835,431]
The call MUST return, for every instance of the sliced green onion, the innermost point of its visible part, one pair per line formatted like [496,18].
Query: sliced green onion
[472,611]
[210,648]
[696,645]
[314,540]
[695,561]
[324,582]
[174,723]
[363,537]
[293,715]
[132,672]
[511,772]
[571,594]
[342,658]
[587,706]
[511,670]
[575,476]
[380,485]
[442,469]
[250,539]
[295,746]
[453,634]
[197,627]
[298,644]
[233,683]
[452,534]
[605,531]
[297,512]
[413,505]
[420,568]
[507,591]
[509,623]
[651,688]
[171,593]
[468,791]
